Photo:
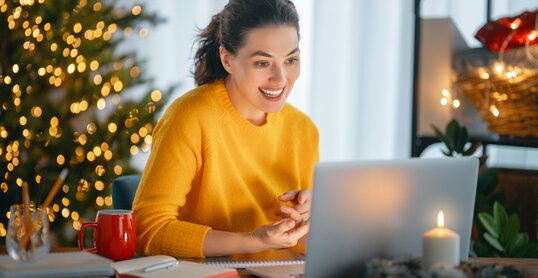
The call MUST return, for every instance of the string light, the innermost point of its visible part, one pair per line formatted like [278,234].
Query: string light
[156,95]
[447,99]
[100,201]
[69,65]
[533,35]
[494,111]
[515,24]
[136,10]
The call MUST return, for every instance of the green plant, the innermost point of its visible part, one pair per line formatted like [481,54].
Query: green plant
[502,236]
[456,139]
[498,234]
[457,143]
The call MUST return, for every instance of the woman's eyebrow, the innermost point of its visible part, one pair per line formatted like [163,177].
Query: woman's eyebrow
[265,54]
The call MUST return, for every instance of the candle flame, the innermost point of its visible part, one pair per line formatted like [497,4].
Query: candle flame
[440,220]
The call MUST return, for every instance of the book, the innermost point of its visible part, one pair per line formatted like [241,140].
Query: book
[62,264]
[164,266]
[279,257]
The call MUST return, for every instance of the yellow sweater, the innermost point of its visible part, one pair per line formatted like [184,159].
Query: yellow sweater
[210,168]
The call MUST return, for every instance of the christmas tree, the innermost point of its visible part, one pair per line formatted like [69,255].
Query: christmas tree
[66,102]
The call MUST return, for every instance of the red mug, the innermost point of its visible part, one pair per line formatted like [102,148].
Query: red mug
[114,236]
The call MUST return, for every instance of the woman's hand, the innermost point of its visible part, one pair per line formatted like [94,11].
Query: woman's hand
[285,233]
[282,234]
[301,200]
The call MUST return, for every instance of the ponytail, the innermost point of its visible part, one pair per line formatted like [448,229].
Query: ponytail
[208,67]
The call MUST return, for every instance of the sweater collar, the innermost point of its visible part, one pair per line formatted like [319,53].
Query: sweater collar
[224,99]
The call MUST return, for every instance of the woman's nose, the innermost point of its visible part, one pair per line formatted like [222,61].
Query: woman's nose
[277,73]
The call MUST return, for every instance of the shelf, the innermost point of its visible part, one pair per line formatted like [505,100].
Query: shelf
[422,142]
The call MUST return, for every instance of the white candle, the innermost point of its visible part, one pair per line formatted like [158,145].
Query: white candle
[440,245]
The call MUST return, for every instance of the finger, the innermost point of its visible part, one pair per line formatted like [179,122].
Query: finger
[282,211]
[304,196]
[288,196]
[305,216]
[282,226]
[291,213]
[279,213]
[285,212]
[302,208]
[300,231]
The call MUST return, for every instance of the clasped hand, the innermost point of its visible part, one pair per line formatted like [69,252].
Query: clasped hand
[294,223]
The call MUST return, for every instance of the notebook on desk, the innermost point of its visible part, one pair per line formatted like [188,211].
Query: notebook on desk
[280,257]
[162,266]
[62,264]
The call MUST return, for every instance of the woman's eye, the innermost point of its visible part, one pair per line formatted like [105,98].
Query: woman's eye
[261,64]
[293,61]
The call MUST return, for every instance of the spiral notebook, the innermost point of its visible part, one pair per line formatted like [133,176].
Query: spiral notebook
[281,257]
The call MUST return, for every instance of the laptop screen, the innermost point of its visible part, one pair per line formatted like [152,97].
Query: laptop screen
[364,210]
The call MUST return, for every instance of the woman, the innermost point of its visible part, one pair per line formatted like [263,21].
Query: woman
[231,163]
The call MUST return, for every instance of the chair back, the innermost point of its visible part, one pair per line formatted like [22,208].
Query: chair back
[123,191]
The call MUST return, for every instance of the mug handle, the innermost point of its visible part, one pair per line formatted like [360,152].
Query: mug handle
[81,236]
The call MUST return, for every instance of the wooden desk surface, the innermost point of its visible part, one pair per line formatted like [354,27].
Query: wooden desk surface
[529,265]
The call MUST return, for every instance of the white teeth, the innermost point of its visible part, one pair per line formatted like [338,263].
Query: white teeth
[272,93]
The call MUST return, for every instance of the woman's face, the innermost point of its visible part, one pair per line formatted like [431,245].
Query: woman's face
[263,72]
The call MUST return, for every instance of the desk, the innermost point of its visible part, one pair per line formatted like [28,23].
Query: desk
[529,265]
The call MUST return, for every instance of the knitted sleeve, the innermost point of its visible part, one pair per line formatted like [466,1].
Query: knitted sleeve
[174,162]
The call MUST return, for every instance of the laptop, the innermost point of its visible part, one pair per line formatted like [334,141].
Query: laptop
[364,210]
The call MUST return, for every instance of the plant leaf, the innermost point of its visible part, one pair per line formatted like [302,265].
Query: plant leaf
[519,243]
[438,132]
[472,149]
[451,130]
[461,140]
[501,217]
[493,241]
[483,250]
[489,223]
[443,139]
[512,228]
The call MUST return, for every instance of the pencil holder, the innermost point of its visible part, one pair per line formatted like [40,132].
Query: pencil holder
[27,233]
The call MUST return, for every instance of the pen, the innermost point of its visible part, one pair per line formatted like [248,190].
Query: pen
[160,266]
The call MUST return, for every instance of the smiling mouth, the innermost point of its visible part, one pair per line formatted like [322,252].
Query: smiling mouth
[272,93]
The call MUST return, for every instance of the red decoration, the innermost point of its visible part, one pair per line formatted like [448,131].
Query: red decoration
[517,30]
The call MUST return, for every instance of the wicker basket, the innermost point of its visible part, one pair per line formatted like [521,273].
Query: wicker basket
[508,105]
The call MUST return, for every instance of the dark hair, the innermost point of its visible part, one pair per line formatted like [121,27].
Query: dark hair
[229,28]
